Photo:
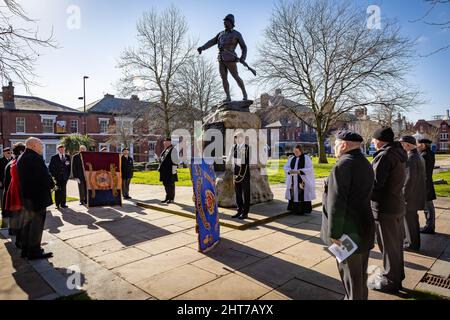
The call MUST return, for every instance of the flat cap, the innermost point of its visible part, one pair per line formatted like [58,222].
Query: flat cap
[408,139]
[6,149]
[384,134]
[347,135]
[426,141]
[59,146]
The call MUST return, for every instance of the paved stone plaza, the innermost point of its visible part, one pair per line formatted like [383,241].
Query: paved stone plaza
[134,253]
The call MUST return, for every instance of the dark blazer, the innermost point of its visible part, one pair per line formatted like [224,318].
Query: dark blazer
[389,165]
[77,167]
[35,181]
[127,167]
[60,170]
[415,186]
[6,183]
[346,201]
[242,172]
[3,163]
[165,166]
[430,160]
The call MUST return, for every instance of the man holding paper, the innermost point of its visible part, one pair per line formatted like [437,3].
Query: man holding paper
[348,214]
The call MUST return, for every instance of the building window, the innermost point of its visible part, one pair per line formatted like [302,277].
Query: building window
[103,145]
[47,125]
[444,136]
[20,125]
[74,126]
[104,123]
[50,150]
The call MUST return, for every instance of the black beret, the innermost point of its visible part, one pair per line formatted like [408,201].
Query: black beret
[7,149]
[426,141]
[347,135]
[384,134]
[125,149]
[409,139]
[168,139]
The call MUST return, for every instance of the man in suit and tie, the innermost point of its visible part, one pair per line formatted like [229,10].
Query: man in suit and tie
[60,170]
[127,172]
[168,170]
[239,158]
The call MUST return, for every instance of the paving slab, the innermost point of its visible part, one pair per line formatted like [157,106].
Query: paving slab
[172,283]
[228,287]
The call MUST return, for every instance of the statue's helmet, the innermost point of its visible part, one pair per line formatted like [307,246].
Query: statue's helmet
[230,18]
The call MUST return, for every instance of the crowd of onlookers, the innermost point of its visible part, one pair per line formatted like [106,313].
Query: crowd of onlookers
[379,201]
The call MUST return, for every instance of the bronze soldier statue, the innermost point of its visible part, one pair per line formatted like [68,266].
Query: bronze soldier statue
[227,42]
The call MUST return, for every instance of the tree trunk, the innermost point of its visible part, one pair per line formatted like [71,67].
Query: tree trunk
[321,143]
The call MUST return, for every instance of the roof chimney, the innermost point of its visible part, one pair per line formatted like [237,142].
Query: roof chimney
[265,100]
[109,96]
[448,114]
[8,95]
[135,97]
[277,92]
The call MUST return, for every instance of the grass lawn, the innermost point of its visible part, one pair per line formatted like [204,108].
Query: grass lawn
[442,190]
[276,174]
[442,156]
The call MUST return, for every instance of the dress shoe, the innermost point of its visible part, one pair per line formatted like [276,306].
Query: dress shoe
[243,217]
[426,231]
[64,206]
[169,201]
[40,256]
[164,201]
[237,215]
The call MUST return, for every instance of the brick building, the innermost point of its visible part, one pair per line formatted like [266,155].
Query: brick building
[25,116]
[437,130]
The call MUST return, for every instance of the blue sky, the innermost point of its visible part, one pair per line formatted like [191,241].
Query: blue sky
[107,27]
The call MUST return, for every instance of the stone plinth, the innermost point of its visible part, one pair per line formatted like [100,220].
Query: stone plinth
[226,118]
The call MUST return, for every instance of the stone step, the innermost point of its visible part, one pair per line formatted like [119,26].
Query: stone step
[259,213]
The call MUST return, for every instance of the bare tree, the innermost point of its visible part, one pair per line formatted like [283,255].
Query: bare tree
[163,49]
[366,128]
[19,45]
[443,24]
[322,54]
[198,87]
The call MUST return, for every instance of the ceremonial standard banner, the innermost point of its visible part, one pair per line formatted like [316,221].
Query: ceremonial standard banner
[103,178]
[207,215]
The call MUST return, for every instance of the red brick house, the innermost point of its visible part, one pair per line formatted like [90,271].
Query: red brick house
[437,130]
[25,116]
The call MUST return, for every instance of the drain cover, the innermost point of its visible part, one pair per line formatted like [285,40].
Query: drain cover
[436,281]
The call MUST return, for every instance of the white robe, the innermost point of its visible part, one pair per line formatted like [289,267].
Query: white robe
[308,178]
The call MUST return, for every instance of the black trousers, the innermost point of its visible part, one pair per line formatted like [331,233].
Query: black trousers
[126,187]
[33,227]
[242,190]
[412,230]
[61,193]
[170,189]
[82,191]
[390,232]
[353,273]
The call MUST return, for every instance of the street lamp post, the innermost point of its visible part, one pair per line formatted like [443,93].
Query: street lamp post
[84,103]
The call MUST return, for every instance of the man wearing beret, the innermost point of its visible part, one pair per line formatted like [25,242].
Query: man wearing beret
[388,206]
[347,211]
[414,191]
[428,155]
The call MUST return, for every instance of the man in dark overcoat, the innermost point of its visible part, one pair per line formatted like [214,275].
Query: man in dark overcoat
[59,168]
[427,154]
[415,192]
[347,211]
[168,170]
[388,206]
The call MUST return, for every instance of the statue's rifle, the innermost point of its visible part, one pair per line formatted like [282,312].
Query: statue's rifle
[243,62]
